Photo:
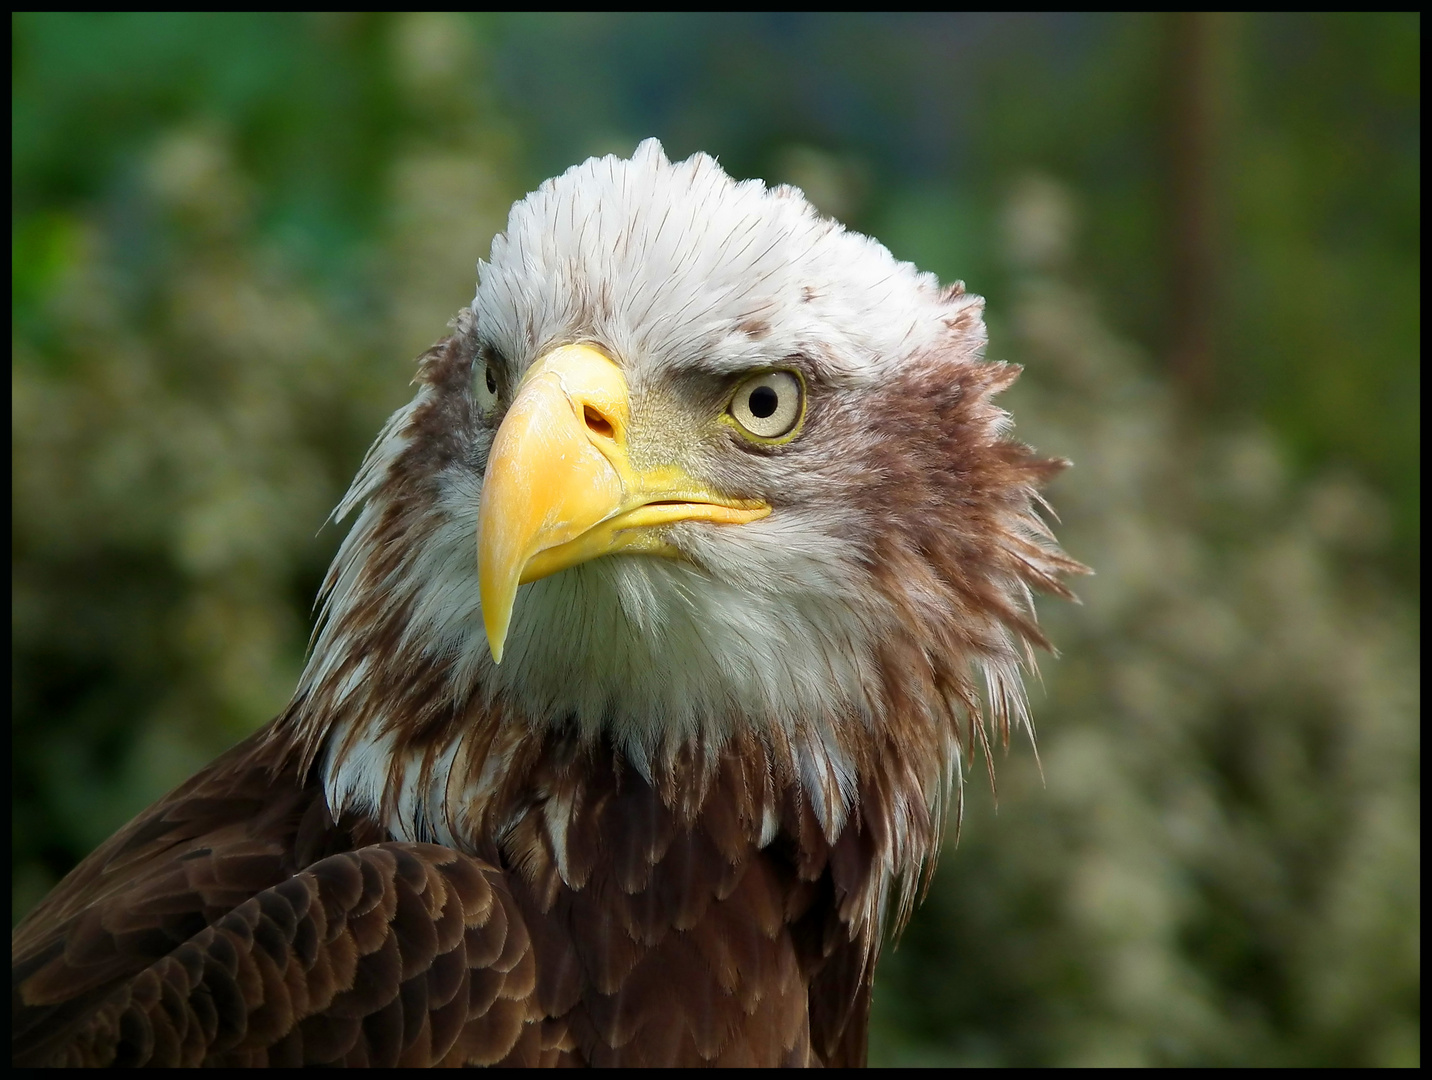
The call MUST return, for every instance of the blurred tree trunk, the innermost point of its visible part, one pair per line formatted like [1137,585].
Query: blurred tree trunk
[1199,74]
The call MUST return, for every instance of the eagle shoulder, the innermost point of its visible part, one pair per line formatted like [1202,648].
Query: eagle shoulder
[226,925]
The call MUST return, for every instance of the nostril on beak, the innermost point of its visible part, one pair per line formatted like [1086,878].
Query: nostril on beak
[598,423]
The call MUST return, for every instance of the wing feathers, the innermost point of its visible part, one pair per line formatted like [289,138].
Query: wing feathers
[393,954]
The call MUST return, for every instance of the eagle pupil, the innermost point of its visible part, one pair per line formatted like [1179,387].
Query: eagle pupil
[491,382]
[763,401]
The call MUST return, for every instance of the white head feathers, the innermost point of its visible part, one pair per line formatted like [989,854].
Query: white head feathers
[673,263]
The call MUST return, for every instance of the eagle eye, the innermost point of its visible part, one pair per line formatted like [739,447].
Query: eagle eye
[485,388]
[769,405]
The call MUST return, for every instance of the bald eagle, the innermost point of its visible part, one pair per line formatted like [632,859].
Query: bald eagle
[674,604]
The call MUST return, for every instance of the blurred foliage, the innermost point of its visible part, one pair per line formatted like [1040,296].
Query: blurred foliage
[231,233]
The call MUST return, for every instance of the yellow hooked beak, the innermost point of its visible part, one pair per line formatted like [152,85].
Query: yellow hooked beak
[560,488]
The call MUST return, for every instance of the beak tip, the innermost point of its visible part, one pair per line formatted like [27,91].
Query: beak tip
[496,639]
[497,592]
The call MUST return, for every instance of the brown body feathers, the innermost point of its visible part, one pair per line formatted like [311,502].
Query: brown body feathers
[234,923]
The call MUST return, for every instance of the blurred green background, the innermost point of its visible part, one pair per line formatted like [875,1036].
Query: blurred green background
[1200,234]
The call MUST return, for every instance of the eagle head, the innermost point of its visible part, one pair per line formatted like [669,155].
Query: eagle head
[699,473]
